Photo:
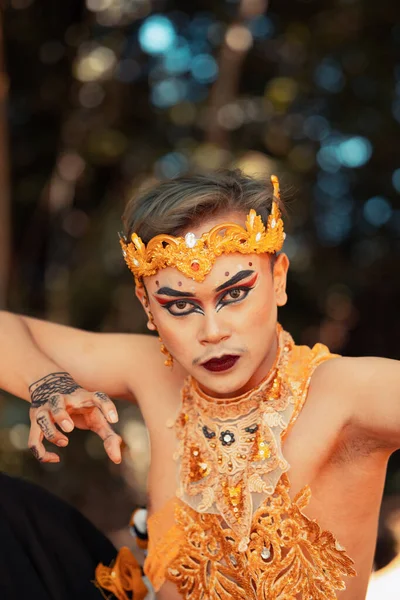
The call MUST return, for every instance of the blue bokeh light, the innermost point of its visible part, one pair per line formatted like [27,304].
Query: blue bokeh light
[199,26]
[316,127]
[333,184]
[377,211]
[204,68]
[333,228]
[261,27]
[354,152]
[328,158]
[168,92]
[396,180]
[157,34]
[334,208]
[177,60]
[329,76]
[172,165]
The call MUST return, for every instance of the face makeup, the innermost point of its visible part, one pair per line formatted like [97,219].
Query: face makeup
[224,363]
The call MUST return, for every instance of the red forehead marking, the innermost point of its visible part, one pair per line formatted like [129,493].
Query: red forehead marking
[226,273]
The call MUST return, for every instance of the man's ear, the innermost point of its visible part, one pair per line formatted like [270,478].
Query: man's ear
[141,294]
[281,267]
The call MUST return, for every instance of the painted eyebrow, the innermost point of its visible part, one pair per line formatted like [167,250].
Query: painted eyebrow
[235,279]
[167,291]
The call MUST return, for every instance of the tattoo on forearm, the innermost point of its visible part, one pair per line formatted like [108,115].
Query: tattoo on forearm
[45,426]
[56,383]
[35,452]
[102,396]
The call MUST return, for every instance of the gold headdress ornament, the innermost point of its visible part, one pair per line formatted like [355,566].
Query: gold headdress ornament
[195,257]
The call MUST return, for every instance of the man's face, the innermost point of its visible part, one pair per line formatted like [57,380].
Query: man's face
[222,330]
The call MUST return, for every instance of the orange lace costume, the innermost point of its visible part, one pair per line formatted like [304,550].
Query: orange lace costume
[232,531]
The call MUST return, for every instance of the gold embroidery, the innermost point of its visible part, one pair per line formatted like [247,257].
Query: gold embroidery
[288,554]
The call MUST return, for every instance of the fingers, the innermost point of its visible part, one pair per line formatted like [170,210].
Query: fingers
[112,441]
[37,448]
[49,430]
[56,406]
[106,406]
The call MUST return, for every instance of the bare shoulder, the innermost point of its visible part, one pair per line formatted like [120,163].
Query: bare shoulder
[367,391]
[350,374]
[359,375]
[338,382]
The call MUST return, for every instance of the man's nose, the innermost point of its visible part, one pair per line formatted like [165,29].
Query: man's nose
[214,329]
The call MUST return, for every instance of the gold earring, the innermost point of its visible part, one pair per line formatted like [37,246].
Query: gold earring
[169,358]
[150,325]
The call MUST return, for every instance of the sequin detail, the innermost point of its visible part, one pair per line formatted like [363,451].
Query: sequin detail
[288,555]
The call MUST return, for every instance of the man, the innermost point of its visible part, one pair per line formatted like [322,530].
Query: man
[245,417]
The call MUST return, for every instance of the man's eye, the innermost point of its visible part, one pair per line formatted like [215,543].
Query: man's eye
[180,307]
[235,294]
[181,304]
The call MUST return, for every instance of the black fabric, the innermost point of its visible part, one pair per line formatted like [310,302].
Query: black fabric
[48,550]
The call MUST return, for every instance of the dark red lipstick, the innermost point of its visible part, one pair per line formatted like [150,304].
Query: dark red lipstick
[221,364]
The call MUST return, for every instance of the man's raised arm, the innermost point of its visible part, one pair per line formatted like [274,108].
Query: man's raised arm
[68,374]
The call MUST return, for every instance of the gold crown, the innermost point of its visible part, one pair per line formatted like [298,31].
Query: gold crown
[195,257]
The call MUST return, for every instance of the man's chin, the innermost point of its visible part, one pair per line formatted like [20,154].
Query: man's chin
[222,385]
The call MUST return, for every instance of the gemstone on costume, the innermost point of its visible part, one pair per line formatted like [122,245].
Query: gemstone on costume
[195,265]
[251,428]
[273,223]
[124,252]
[135,262]
[208,433]
[227,438]
[258,236]
[266,553]
[190,240]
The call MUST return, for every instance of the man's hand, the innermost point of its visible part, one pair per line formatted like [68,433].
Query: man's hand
[58,400]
